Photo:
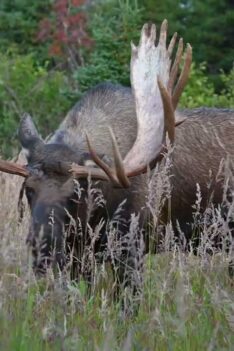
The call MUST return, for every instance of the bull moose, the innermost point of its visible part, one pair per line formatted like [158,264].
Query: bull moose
[130,125]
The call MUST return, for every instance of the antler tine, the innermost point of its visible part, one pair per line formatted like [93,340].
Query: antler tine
[84,172]
[119,179]
[163,33]
[119,167]
[100,163]
[13,168]
[168,111]
[183,76]
[172,44]
[175,67]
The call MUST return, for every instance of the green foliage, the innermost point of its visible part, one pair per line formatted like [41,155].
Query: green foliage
[226,98]
[19,20]
[200,90]
[113,24]
[27,86]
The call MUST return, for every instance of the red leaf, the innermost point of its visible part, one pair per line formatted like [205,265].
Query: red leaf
[75,19]
[61,36]
[77,3]
[55,49]
[61,7]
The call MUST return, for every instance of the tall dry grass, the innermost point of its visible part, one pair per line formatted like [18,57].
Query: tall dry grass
[184,301]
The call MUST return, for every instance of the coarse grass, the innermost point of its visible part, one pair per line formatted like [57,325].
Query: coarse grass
[187,301]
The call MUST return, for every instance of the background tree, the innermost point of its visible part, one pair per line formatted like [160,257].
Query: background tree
[52,51]
[19,24]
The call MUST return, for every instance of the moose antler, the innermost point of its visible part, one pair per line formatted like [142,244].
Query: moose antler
[13,168]
[156,97]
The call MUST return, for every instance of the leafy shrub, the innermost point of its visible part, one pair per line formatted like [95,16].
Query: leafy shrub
[19,23]
[27,86]
[200,90]
[226,98]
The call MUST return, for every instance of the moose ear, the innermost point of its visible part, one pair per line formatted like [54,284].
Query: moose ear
[28,134]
